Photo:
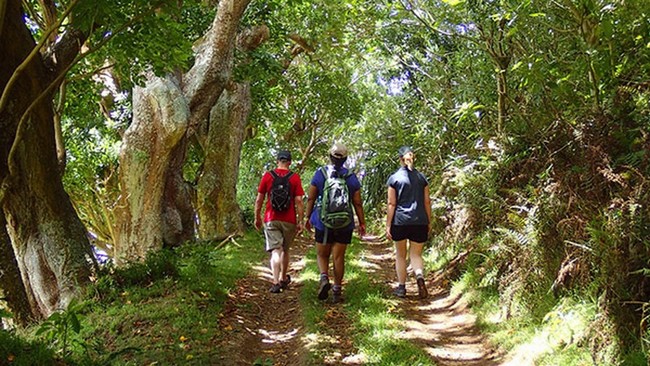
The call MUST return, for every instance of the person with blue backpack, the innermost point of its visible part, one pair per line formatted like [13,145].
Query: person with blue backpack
[408,219]
[283,190]
[333,194]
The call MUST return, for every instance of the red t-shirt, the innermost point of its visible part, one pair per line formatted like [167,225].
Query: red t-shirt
[296,190]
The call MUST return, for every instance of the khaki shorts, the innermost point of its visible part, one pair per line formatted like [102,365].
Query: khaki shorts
[279,234]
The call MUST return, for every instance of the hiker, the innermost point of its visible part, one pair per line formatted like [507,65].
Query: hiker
[408,219]
[283,191]
[335,184]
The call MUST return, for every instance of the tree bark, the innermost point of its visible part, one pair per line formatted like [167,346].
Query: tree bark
[218,211]
[178,209]
[155,200]
[13,289]
[212,69]
[49,241]
[159,123]
[502,99]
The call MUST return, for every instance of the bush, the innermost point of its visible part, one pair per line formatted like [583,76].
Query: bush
[19,352]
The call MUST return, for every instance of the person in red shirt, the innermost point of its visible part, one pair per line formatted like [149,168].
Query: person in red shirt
[280,226]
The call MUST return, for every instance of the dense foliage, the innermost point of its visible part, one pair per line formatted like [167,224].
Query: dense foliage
[531,121]
[534,118]
[530,118]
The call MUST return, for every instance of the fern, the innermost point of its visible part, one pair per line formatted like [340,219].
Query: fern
[519,238]
[633,159]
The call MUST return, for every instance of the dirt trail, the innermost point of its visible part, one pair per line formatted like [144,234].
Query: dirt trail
[262,325]
[441,324]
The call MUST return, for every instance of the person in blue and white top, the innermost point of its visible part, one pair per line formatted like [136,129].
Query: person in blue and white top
[333,242]
[408,220]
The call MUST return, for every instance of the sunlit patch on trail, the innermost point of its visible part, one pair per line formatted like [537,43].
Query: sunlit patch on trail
[263,273]
[312,340]
[440,325]
[366,266]
[274,336]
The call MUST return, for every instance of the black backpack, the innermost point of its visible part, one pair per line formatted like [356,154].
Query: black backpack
[280,191]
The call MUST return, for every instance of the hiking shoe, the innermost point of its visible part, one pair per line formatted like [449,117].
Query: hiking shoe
[337,297]
[323,289]
[422,288]
[285,283]
[400,291]
[276,288]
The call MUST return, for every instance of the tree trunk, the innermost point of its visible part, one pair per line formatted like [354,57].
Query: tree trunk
[212,69]
[160,115]
[49,241]
[155,201]
[502,99]
[13,289]
[178,209]
[218,211]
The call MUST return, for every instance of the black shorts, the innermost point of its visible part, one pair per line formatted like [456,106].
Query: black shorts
[342,236]
[416,233]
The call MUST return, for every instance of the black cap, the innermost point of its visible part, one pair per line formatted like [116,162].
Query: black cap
[284,155]
[404,150]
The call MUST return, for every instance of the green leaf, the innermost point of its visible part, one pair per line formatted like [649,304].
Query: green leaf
[74,323]
[42,329]
[453,2]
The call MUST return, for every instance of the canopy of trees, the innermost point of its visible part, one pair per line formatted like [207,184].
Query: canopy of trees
[126,127]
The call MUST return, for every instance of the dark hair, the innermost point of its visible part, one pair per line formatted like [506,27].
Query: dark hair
[338,162]
[404,150]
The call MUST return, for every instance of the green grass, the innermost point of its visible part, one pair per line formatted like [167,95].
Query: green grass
[375,319]
[174,320]
[164,311]
[559,337]
[17,351]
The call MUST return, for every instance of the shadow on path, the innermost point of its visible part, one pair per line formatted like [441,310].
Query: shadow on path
[263,327]
[442,325]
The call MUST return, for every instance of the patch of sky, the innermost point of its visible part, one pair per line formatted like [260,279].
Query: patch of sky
[394,85]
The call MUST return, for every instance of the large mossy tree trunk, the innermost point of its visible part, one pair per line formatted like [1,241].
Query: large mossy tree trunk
[154,198]
[218,211]
[13,289]
[160,114]
[178,198]
[48,239]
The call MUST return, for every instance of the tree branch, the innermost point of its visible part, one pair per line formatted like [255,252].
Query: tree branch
[49,11]
[58,129]
[20,131]
[29,8]
[213,64]
[411,9]
[35,52]
[91,73]
[3,11]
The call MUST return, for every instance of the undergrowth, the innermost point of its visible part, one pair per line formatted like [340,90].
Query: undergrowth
[163,311]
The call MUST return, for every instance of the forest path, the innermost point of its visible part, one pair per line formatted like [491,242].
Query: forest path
[267,329]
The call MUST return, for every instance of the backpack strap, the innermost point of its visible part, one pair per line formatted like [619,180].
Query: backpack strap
[323,171]
[275,175]
[326,173]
